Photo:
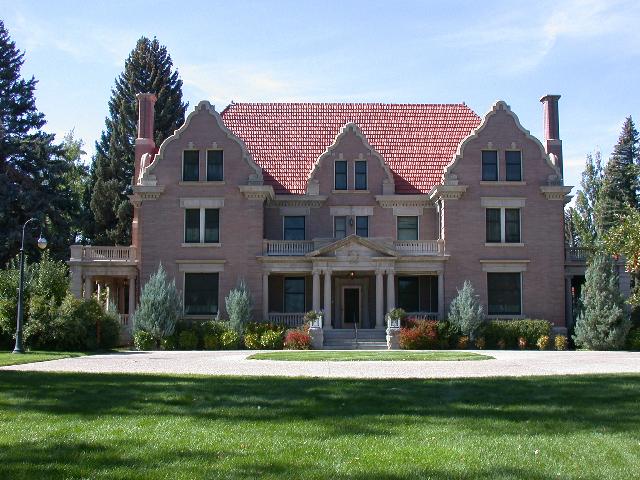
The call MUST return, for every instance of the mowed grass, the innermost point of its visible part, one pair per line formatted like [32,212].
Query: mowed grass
[362,355]
[113,426]
[8,358]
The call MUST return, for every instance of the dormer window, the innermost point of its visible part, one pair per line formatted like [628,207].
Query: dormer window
[514,166]
[215,169]
[360,169]
[190,166]
[340,174]
[489,165]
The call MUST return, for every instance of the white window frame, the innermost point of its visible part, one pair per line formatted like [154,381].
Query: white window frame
[366,176]
[202,226]
[503,226]
[418,232]
[206,173]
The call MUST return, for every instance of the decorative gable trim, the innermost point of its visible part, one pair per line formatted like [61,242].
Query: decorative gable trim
[257,192]
[499,106]
[388,184]
[447,192]
[395,201]
[352,239]
[147,177]
[145,192]
[310,201]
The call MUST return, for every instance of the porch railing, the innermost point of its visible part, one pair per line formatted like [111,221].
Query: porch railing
[420,247]
[576,254]
[101,254]
[287,248]
[423,315]
[124,319]
[288,319]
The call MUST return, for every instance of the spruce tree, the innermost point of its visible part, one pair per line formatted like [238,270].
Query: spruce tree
[465,312]
[33,169]
[148,69]
[620,178]
[602,323]
[239,304]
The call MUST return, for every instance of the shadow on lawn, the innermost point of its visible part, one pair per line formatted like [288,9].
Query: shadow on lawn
[341,407]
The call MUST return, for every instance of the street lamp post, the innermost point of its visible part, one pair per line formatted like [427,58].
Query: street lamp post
[42,244]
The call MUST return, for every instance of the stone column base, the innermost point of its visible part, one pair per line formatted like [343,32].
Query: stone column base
[393,338]
[317,338]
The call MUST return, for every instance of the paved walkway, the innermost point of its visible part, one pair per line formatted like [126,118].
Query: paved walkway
[506,363]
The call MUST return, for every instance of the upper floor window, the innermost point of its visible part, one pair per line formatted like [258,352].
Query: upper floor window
[503,225]
[513,166]
[504,292]
[190,166]
[360,175]
[214,166]
[200,293]
[407,228]
[362,226]
[294,295]
[294,228]
[489,165]
[339,227]
[202,225]
[340,174]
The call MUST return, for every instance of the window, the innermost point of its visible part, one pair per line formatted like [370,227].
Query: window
[201,225]
[362,226]
[504,293]
[407,228]
[200,293]
[211,225]
[294,295]
[214,166]
[503,225]
[361,175]
[489,165]
[192,225]
[339,227]
[293,228]
[418,293]
[191,166]
[514,166]
[340,175]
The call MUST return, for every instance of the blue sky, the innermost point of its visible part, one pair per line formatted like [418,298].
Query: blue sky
[379,51]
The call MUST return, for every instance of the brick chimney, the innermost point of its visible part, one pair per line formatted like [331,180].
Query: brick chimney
[552,140]
[144,142]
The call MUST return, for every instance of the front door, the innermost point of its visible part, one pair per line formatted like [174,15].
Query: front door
[351,306]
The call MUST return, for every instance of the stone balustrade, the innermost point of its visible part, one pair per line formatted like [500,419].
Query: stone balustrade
[85,253]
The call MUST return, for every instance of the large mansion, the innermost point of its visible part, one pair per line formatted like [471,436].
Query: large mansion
[352,209]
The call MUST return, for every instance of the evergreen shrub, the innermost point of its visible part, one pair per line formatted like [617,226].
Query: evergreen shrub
[143,340]
[230,340]
[252,341]
[507,332]
[465,311]
[561,342]
[271,340]
[633,340]
[188,340]
[239,304]
[543,342]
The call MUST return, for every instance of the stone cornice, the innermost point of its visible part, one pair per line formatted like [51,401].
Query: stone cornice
[447,192]
[391,201]
[556,192]
[257,192]
[145,192]
[311,201]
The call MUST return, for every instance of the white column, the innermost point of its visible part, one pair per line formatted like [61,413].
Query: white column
[379,299]
[391,290]
[440,295]
[316,291]
[132,295]
[88,287]
[327,300]
[265,296]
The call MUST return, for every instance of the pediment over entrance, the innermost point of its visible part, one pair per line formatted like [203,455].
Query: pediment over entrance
[353,246]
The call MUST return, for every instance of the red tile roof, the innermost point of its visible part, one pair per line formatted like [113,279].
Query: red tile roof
[416,140]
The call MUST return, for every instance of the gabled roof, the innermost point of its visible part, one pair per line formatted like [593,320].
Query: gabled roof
[416,140]
[352,240]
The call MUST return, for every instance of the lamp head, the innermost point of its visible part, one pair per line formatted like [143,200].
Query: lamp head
[42,242]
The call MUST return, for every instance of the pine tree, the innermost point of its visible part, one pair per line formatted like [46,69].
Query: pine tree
[33,169]
[147,69]
[160,307]
[582,220]
[620,178]
[602,323]
[465,312]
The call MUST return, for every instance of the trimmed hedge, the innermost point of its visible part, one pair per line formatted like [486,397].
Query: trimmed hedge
[508,332]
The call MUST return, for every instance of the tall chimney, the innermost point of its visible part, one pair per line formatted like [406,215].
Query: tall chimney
[146,117]
[552,129]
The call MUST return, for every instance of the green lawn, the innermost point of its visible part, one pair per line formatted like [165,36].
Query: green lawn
[355,355]
[8,358]
[59,426]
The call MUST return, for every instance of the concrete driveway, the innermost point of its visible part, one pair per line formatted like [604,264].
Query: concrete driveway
[506,363]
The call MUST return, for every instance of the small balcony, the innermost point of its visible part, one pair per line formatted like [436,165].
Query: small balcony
[299,248]
[287,248]
[83,253]
[576,254]
[419,247]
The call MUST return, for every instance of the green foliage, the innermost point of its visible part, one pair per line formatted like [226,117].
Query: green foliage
[252,341]
[465,311]
[188,340]
[602,323]
[505,333]
[229,340]
[148,69]
[143,340]
[271,340]
[544,342]
[239,305]
[583,228]
[633,340]
[169,343]
[397,314]
[561,342]
[624,239]
[160,307]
